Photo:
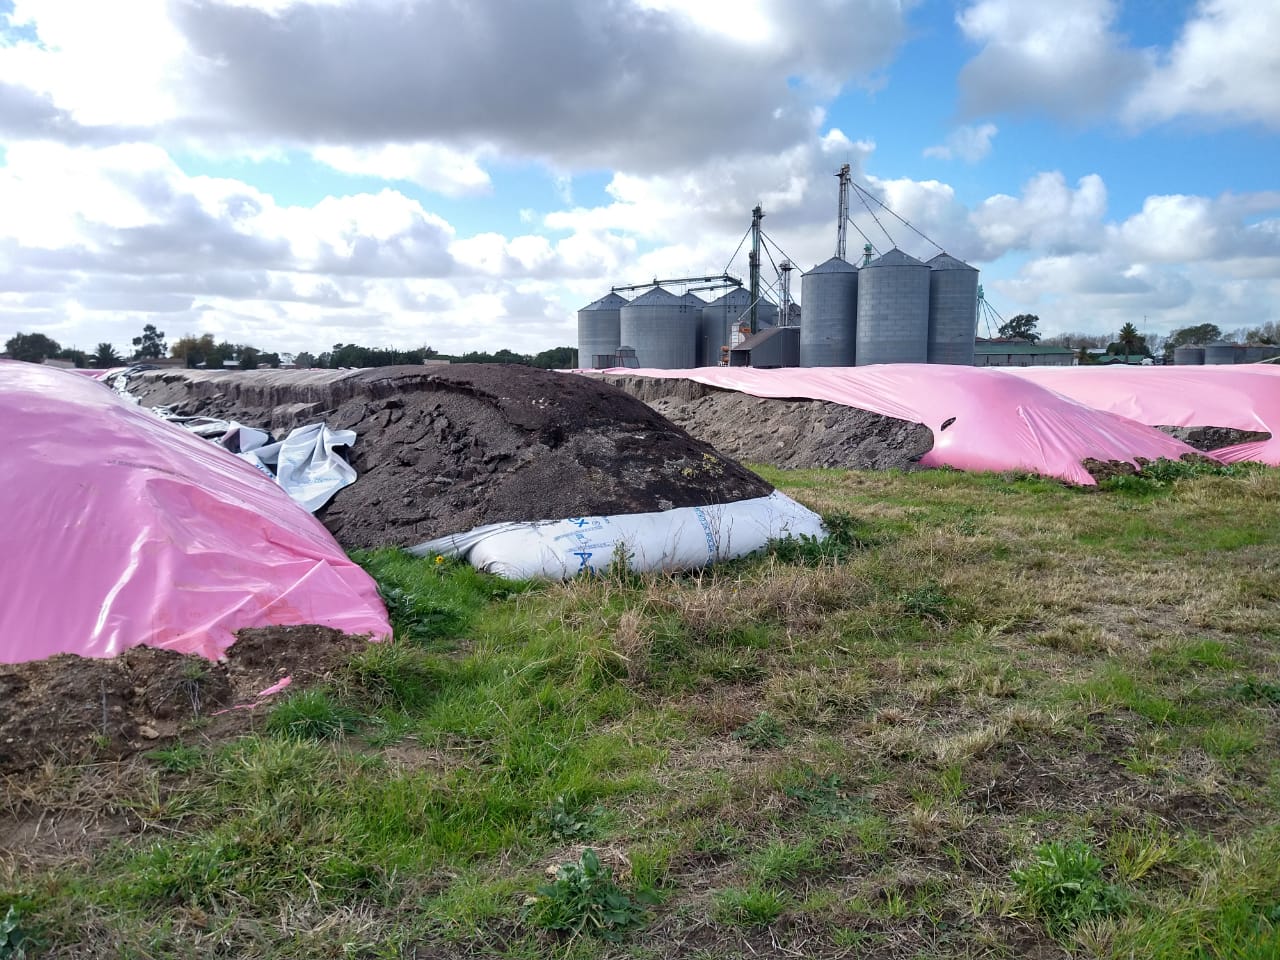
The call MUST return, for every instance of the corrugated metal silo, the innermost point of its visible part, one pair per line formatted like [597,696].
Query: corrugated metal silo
[953,310]
[893,310]
[1256,352]
[1188,356]
[663,328]
[1220,353]
[829,294]
[600,330]
[722,316]
[718,318]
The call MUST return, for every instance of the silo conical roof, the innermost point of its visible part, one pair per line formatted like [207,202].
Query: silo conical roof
[894,258]
[834,265]
[610,301]
[736,296]
[944,261]
[656,296]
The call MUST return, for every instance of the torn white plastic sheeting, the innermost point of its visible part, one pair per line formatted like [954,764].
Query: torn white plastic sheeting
[306,464]
[680,539]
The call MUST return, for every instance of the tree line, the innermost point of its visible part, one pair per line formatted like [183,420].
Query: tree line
[207,351]
[1129,342]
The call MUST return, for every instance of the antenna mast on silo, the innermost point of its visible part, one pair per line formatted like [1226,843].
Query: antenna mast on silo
[756,216]
[842,221]
[784,293]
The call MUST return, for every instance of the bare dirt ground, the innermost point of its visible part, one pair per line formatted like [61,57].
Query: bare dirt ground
[74,709]
[1214,438]
[791,434]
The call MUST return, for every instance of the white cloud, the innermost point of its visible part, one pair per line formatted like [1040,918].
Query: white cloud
[1064,58]
[1179,261]
[424,90]
[967,143]
[97,65]
[433,166]
[1225,67]
[1050,217]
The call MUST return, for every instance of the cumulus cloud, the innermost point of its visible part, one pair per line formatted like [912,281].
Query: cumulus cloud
[433,166]
[581,83]
[1179,261]
[967,143]
[1063,58]
[1225,67]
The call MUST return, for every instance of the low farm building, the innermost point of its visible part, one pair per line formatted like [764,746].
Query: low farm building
[1020,353]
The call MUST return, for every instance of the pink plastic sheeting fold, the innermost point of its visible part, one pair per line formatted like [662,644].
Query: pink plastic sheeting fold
[1000,422]
[118,529]
[1245,397]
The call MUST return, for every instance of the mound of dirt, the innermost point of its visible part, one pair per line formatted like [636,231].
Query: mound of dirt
[1107,469]
[444,449]
[71,709]
[796,434]
[1215,438]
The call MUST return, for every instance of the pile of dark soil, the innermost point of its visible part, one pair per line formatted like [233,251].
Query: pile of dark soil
[444,449]
[795,434]
[1107,469]
[71,709]
[1215,438]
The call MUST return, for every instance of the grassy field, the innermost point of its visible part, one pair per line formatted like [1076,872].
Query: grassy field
[994,717]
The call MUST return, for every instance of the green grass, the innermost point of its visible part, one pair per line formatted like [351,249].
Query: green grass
[998,716]
[751,906]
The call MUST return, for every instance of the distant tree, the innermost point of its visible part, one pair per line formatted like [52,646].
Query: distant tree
[1083,356]
[1129,338]
[1021,327]
[150,344]
[557,358]
[204,351]
[191,349]
[77,357]
[32,347]
[502,356]
[105,356]
[271,360]
[1076,340]
[1200,333]
[1268,333]
[247,356]
[304,361]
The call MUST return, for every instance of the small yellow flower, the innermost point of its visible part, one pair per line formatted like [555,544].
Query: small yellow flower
[439,559]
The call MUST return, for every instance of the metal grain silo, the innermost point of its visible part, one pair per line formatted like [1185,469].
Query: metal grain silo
[663,328]
[718,320]
[1188,356]
[600,330]
[1256,352]
[829,295]
[893,310]
[953,310]
[722,316]
[1219,353]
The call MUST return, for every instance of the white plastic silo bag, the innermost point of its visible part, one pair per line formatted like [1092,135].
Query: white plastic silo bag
[680,539]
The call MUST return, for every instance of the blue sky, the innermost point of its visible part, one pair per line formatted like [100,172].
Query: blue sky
[294,173]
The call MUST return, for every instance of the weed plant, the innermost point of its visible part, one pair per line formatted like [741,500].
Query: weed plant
[583,898]
[1063,885]
[14,940]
